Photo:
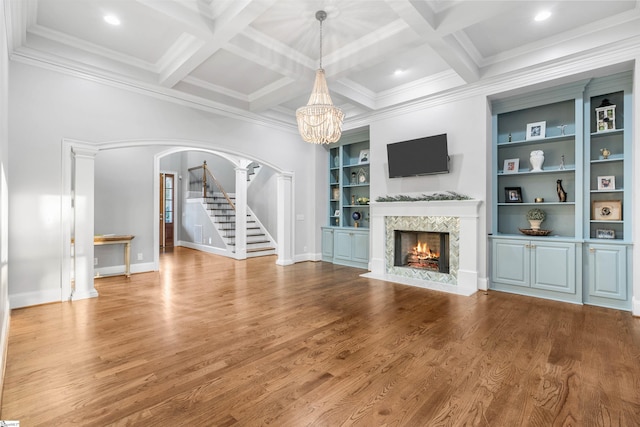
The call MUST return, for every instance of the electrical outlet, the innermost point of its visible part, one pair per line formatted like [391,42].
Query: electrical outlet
[95,261]
[140,256]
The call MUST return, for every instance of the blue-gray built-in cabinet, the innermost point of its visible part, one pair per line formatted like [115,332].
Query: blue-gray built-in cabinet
[584,132]
[345,238]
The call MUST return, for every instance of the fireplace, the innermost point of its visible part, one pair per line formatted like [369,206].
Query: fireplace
[421,249]
[455,223]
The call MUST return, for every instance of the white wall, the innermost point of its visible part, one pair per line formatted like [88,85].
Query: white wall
[636,185]
[465,122]
[4,196]
[123,203]
[46,107]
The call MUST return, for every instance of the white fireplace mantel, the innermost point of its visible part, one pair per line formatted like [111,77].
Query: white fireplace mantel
[467,213]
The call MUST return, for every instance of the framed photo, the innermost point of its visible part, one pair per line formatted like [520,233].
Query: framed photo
[606,118]
[513,195]
[536,130]
[607,210]
[335,193]
[337,212]
[607,182]
[605,234]
[511,166]
[364,156]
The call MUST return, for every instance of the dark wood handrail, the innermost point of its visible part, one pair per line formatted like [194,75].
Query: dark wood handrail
[205,172]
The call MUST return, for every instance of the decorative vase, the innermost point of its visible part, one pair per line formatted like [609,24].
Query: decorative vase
[536,159]
[535,224]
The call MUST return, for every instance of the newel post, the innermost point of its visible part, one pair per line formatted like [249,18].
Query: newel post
[204,179]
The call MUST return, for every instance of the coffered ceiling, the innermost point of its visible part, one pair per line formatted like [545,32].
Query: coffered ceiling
[257,58]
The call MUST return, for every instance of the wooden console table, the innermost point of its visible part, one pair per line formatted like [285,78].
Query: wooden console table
[117,240]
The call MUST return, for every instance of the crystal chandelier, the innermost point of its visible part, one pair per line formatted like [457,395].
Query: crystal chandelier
[320,121]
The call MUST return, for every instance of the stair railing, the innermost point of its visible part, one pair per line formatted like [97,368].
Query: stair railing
[206,172]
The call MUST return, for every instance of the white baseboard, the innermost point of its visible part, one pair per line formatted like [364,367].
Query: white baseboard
[118,270]
[635,306]
[307,257]
[205,248]
[27,299]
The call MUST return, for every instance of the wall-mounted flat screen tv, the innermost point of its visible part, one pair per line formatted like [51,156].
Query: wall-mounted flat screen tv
[422,156]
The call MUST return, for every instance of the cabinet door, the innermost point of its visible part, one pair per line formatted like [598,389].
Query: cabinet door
[360,248]
[553,266]
[511,262]
[608,271]
[342,245]
[327,244]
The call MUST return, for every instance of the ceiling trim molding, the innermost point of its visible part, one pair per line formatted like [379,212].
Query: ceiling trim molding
[90,48]
[165,94]
[571,67]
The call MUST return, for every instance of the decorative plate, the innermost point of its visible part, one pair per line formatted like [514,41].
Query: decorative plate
[530,232]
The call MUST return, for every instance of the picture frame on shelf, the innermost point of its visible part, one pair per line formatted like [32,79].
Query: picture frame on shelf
[536,130]
[605,233]
[337,212]
[605,116]
[362,176]
[511,166]
[607,210]
[335,193]
[607,182]
[363,157]
[513,195]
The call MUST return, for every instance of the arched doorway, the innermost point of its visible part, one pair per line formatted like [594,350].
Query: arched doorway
[283,196]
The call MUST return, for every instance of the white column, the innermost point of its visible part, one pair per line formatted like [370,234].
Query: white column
[241,212]
[83,158]
[285,221]
[635,208]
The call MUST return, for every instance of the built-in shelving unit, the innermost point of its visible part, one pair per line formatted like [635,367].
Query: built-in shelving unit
[586,256]
[345,238]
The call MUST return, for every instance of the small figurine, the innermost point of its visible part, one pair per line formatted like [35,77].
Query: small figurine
[562,195]
[509,137]
[561,163]
[561,127]
[605,153]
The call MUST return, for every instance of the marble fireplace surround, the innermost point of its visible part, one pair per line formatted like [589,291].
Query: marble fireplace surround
[457,217]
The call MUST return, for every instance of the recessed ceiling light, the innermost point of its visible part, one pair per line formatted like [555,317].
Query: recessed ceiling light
[112,19]
[542,16]
[398,72]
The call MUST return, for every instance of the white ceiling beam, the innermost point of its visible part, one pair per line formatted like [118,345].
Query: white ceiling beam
[465,14]
[232,21]
[423,21]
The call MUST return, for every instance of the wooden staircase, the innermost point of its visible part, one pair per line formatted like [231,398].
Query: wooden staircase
[222,215]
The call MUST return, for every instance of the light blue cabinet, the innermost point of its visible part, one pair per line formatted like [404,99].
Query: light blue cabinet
[345,246]
[536,267]
[327,244]
[586,138]
[606,267]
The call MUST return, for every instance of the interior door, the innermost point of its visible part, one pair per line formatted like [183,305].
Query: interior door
[167,197]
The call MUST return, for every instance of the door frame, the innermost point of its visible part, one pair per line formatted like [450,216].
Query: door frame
[176,207]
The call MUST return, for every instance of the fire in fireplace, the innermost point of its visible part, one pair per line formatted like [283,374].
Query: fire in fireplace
[426,250]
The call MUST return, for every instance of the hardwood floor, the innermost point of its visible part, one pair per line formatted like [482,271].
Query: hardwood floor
[210,341]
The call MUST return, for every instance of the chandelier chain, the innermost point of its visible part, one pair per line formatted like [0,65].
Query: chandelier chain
[320,43]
